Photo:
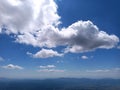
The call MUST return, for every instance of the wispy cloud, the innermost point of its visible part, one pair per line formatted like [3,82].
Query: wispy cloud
[49,68]
[11,66]
[59,61]
[104,70]
[96,71]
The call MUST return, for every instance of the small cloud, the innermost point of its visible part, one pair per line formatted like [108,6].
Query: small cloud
[28,53]
[50,70]
[1,59]
[45,53]
[97,71]
[60,61]
[84,57]
[11,66]
[104,70]
[47,66]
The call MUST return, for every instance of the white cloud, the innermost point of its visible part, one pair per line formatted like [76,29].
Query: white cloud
[45,53]
[47,66]
[78,37]
[104,70]
[11,66]
[97,71]
[21,16]
[84,57]
[1,58]
[86,37]
[50,70]
[35,22]
[82,36]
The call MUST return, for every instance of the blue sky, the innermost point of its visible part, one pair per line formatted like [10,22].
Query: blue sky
[61,38]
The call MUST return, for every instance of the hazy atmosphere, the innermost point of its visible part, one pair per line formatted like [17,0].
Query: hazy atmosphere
[59,38]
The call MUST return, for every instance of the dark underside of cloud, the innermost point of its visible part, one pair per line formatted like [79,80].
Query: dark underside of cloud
[36,23]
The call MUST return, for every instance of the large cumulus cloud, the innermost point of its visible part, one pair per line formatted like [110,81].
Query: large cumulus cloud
[86,36]
[35,22]
[23,16]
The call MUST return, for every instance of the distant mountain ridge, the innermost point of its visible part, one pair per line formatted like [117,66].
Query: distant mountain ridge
[60,84]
